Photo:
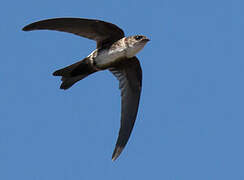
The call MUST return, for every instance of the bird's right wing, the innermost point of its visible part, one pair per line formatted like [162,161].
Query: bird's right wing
[129,74]
[100,31]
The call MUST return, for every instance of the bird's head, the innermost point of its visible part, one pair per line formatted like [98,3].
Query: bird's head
[135,44]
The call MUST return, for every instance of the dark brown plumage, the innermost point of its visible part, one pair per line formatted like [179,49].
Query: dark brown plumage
[122,63]
[103,32]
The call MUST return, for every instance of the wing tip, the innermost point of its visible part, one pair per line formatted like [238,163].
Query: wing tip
[27,28]
[56,73]
[32,26]
[117,152]
[24,29]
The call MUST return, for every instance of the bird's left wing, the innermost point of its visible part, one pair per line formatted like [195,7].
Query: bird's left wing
[100,31]
[129,74]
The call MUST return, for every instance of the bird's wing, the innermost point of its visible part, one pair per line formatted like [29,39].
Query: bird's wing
[129,74]
[100,31]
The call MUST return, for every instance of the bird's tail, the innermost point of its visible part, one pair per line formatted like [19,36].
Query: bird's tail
[74,73]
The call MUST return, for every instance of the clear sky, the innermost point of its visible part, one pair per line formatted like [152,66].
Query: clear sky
[191,116]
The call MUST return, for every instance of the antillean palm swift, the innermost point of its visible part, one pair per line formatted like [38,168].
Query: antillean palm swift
[114,52]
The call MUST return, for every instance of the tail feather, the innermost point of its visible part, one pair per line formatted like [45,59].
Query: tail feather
[67,70]
[74,73]
[70,81]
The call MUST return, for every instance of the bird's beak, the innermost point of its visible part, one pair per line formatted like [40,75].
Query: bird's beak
[146,40]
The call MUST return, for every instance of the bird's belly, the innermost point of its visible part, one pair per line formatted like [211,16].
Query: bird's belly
[107,57]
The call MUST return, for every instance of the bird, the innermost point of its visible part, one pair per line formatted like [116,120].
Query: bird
[114,52]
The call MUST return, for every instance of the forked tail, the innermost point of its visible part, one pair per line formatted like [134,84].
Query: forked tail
[74,73]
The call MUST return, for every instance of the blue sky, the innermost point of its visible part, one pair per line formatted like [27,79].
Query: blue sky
[191,118]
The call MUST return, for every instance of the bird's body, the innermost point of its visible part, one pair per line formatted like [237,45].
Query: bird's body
[115,53]
[104,58]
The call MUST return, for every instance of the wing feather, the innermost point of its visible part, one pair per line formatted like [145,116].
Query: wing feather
[129,75]
[100,31]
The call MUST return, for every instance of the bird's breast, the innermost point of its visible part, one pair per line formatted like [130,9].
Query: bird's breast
[107,57]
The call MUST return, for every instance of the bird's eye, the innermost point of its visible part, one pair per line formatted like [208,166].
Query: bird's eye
[138,37]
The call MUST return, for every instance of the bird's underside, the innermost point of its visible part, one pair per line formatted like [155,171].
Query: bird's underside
[127,70]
